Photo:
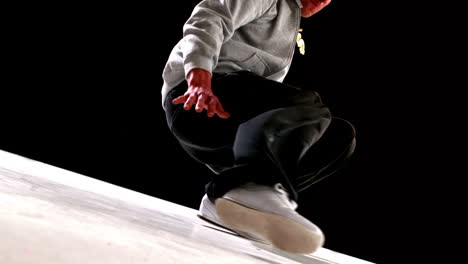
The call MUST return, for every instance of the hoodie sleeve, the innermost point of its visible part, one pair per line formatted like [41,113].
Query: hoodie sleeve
[212,23]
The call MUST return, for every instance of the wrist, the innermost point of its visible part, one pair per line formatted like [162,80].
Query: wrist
[199,78]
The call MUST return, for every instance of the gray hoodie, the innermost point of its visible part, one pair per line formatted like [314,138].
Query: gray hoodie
[230,35]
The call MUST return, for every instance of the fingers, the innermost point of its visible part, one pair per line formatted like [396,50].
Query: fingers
[215,107]
[189,103]
[179,100]
[220,111]
[209,102]
[187,99]
[201,103]
[212,108]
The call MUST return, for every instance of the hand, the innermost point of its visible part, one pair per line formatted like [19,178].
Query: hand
[311,7]
[199,93]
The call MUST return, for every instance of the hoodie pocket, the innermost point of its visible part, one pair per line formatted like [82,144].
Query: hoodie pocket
[254,64]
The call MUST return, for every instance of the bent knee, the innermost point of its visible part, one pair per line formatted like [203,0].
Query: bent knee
[343,129]
[307,97]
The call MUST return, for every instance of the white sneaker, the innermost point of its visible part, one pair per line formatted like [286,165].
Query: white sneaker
[268,213]
[208,213]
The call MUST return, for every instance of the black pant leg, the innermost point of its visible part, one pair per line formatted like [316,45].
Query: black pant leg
[330,154]
[272,125]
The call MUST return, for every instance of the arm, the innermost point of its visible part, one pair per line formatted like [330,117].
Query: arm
[212,23]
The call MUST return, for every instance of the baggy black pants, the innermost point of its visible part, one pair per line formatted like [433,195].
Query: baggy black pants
[276,134]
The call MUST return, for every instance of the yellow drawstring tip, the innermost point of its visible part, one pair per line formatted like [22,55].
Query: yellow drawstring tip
[302,48]
[300,42]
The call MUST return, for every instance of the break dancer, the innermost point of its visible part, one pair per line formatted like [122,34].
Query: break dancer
[264,140]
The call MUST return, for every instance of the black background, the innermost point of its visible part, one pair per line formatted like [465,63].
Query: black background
[81,91]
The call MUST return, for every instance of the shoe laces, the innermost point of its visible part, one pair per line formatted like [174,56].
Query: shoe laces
[285,196]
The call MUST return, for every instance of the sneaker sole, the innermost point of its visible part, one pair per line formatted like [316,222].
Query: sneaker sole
[231,231]
[281,232]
